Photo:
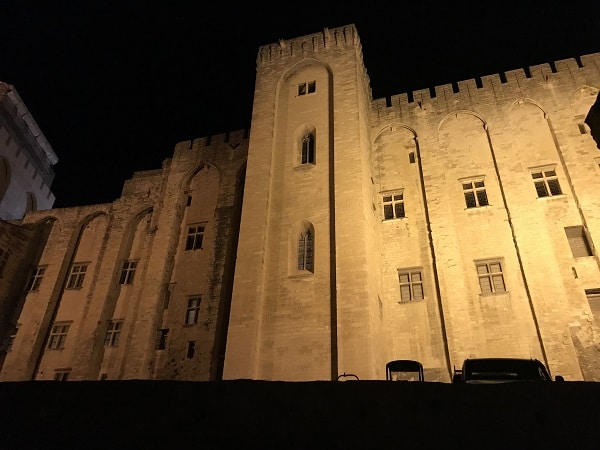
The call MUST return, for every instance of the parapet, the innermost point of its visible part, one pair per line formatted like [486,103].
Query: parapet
[334,37]
[580,68]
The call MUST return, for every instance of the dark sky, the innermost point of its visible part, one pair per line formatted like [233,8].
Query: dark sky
[115,85]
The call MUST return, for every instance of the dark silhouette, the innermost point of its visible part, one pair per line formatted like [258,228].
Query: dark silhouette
[593,121]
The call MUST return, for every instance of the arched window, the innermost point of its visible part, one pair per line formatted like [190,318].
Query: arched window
[306,251]
[308,148]
[4,176]
[31,203]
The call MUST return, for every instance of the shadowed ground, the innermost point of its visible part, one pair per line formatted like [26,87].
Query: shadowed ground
[308,415]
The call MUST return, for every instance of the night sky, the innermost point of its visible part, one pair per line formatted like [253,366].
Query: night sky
[115,85]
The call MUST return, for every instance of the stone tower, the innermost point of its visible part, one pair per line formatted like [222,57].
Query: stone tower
[305,300]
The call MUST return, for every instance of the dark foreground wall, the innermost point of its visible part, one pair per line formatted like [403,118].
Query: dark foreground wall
[310,415]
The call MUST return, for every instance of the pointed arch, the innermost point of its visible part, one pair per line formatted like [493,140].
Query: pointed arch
[306,248]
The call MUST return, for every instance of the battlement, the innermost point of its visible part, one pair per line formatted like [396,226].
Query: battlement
[231,137]
[334,37]
[546,73]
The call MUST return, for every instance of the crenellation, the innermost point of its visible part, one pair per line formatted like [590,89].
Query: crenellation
[293,245]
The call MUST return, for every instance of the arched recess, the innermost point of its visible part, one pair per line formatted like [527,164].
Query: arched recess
[533,135]
[4,176]
[200,191]
[463,136]
[395,150]
[312,81]
[586,105]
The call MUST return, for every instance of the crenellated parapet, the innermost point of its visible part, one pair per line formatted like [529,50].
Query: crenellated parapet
[583,70]
[328,38]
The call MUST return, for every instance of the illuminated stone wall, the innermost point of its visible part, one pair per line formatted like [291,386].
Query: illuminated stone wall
[147,225]
[412,204]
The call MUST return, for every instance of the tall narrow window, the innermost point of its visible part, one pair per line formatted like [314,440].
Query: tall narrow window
[58,336]
[193,310]
[191,349]
[194,237]
[491,277]
[161,339]
[76,276]
[308,148]
[3,259]
[305,251]
[11,338]
[546,183]
[411,284]
[128,272]
[36,279]
[475,194]
[578,241]
[113,333]
[393,205]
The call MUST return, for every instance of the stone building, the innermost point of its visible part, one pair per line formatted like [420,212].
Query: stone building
[341,233]
[26,159]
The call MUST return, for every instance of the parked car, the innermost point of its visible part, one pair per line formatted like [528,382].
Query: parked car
[502,370]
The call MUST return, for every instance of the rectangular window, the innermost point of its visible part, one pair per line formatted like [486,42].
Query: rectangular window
[307,88]
[161,339]
[113,333]
[411,285]
[475,194]
[192,311]
[61,375]
[578,241]
[194,237]
[128,272]
[491,277]
[3,259]
[76,276]
[393,205]
[36,279]
[58,336]
[546,183]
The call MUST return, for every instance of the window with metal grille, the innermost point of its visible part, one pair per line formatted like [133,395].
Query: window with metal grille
[58,335]
[36,279]
[305,251]
[77,276]
[128,272]
[411,285]
[393,205]
[475,194]
[546,183]
[578,241]
[193,310]
[194,237]
[113,333]
[491,277]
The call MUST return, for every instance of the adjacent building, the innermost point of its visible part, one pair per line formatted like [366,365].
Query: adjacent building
[340,233]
